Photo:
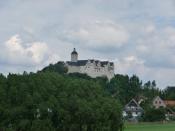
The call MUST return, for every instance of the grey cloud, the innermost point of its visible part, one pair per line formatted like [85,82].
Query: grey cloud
[157,46]
[58,24]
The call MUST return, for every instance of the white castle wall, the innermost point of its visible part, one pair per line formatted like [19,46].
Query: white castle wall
[92,70]
[73,69]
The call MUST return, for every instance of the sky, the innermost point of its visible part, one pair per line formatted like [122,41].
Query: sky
[137,35]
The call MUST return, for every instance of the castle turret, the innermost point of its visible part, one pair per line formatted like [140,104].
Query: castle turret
[74,56]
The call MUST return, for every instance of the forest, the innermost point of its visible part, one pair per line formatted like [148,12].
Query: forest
[52,100]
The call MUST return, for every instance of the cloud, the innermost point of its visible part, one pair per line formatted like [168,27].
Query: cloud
[99,34]
[140,34]
[133,65]
[157,46]
[16,53]
[129,65]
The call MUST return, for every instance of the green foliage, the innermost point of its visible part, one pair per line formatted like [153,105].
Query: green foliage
[59,67]
[150,90]
[169,93]
[153,115]
[124,88]
[50,101]
[80,76]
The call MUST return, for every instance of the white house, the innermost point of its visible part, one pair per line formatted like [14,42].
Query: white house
[132,110]
[158,102]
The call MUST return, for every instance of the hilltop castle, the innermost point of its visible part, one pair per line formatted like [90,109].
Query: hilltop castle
[93,68]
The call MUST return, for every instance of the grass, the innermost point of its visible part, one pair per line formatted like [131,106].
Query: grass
[150,127]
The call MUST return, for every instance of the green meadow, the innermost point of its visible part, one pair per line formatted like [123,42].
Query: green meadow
[150,127]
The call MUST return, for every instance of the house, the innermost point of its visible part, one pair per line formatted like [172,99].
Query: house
[91,67]
[158,102]
[167,104]
[170,114]
[132,111]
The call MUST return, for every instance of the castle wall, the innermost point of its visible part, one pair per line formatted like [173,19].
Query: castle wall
[93,68]
[73,69]
[94,71]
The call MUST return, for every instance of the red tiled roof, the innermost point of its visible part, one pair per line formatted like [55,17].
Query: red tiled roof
[170,103]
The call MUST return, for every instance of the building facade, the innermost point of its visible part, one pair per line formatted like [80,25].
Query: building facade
[93,68]
[132,111]
[158,102]
[167,105]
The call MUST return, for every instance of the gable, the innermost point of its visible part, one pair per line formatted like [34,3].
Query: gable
[132,103]
[133,106]
[158,102]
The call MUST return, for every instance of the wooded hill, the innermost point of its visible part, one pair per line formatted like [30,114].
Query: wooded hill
[52,100]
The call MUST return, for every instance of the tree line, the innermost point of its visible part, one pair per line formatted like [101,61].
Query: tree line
[52,100]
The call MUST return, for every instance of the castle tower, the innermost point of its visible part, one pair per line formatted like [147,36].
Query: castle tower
[74,56]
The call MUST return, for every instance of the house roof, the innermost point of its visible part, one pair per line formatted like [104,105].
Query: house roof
[104,63]
[157,98]
[133,103]
[84,62]
[170,103]
[78,63]
[74,52]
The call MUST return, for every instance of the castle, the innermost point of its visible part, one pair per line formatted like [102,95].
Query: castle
[93,68]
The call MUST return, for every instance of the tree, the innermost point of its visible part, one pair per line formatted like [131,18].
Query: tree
[169,93]
[152,114]
[53,101]
[59,67]
[124,88]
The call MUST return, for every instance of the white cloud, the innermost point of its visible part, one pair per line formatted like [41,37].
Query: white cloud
[142,48]
[129,65]
[133,59]
[150,29]
[157,47]
[15,52]
[38,51]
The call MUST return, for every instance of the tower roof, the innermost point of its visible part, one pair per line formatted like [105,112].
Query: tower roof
[74,52]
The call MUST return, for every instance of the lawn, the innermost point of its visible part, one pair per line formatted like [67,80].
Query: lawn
[150,127]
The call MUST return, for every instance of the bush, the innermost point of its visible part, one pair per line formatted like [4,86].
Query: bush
[153,115]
